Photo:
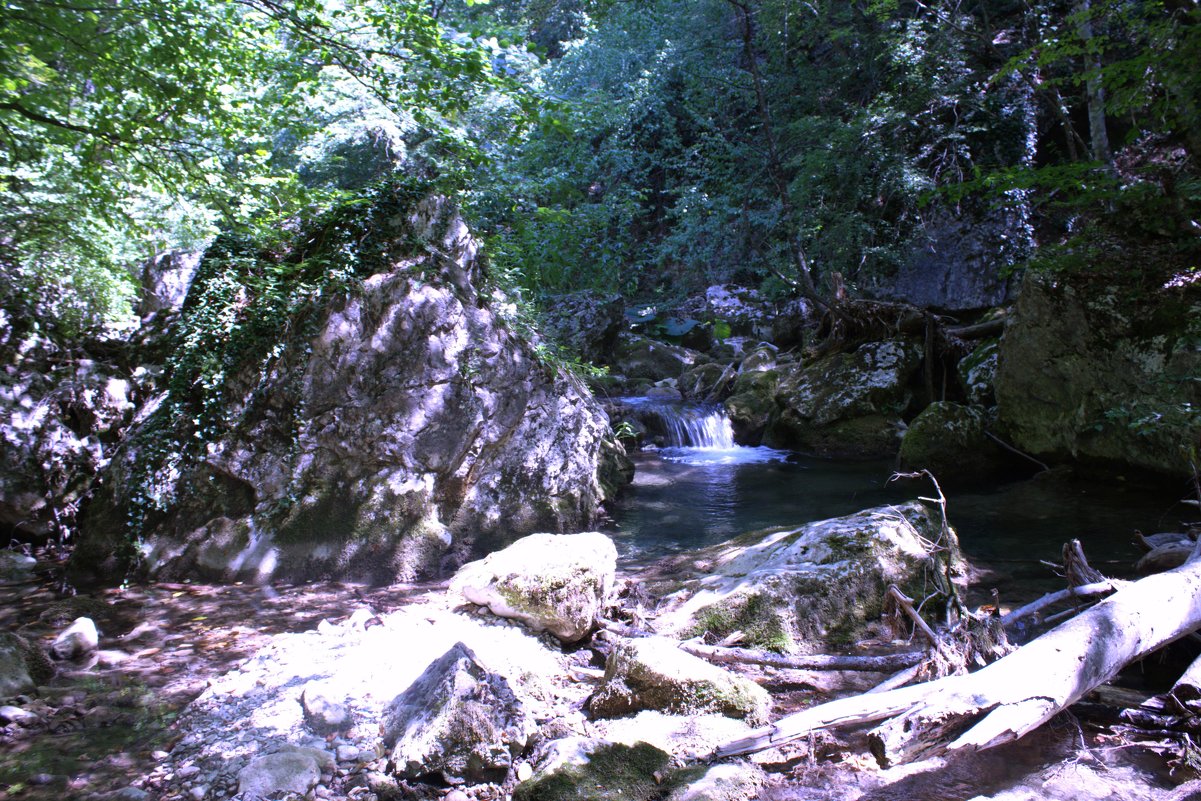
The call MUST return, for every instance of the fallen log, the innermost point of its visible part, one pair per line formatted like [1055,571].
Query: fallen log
[1187,689]
[1016,694]
[878,664]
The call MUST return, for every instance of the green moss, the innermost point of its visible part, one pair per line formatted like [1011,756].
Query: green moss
[612,772]
[754,614]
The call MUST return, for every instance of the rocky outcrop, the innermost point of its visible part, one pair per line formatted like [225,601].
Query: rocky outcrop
[458,720]
[822,585]
[1103,372]
[548,582]
[848,404]
[586,323]
[165,282]
[951,441]
[640,357]
[653,673]
[387,427]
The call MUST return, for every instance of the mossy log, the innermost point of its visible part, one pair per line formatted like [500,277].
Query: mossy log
[1016,694]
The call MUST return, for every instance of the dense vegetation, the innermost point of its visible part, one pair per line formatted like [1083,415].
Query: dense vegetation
[645,147]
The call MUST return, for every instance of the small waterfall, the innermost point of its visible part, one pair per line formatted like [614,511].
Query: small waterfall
[697,427]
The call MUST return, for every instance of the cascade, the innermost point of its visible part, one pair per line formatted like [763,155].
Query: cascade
[697,427]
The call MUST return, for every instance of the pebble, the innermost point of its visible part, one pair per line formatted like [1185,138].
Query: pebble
[348,753]
[456,795]
[198,792]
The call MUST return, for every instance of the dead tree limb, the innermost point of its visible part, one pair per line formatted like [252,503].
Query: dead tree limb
[1016,694]
[881,664]
[1084,591]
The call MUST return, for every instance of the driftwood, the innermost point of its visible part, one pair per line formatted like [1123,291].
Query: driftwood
[879,664]
[988,328]
[1084,591]
[1016,694]
[1186,692]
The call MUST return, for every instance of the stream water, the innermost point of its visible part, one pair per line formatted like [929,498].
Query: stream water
[700,488]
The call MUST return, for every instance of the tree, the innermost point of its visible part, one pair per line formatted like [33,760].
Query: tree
[117,117]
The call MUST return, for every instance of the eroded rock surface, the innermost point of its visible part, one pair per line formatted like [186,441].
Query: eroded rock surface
[555,583]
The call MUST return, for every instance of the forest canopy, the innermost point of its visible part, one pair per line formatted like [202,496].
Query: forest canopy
[643,147]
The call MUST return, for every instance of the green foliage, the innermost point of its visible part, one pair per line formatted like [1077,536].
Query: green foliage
[134,125]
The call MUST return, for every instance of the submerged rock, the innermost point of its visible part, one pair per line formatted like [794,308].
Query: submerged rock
[555,583]
[653,673]
[816,587]
[458,720]
[382,432]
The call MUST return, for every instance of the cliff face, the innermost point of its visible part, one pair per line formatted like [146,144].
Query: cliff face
[400,426]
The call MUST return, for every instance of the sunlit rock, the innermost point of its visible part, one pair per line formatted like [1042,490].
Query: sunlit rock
[293,770]
[555,583]
[389,432]
[598,771]
[79,639]
[817,587]
[458,720]
[727,781]
[653,673]
[324,713]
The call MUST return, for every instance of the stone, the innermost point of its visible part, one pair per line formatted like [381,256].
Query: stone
[586,323]
[752,404]
[458,721]
[640,356]
[706,382]
[296,770]
[165,281]
[79,639]
[848,405]
[816,587]
[612,770]
[323,714]
[977,373]
[15,567]
[654,673]
[550,582]
[21,717]
[950,441]
[1103,373]
[402,427]
[728,781]
[23,665]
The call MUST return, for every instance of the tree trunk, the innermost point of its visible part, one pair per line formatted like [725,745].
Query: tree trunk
[1016,694]
[1093,88]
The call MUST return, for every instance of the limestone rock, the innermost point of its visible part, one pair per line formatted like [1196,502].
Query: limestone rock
[949,440]
[705,382]
[294,770]
[457,720]
[165,281]
[728,781]
[817,587]
[587,323]
[79,639]
[978,373]
[23,665]
[323,714]
[1102,373]
[400,427]
[631,773]
[653,673]
[550,582]
[642,357]
[848,404]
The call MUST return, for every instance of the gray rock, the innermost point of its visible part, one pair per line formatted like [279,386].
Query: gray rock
[79,639]
[729,781]
[1102,373]
[950,441]
[23,665]
[22,717]
[457,720]
[403,426]
[549,582]
[642,357]
[587,323]
[978,373]
[296,770]
[819,586]
[323,713]
[165,281]
[653,673]
[848,404]
[15,567]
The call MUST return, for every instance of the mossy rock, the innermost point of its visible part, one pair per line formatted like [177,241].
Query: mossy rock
[950,441]
[612,772]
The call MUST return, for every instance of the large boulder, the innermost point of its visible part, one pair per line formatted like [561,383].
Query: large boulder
[847,404]
[951,441]
[640,357]
[587,323]
[387,428]
[816,587]
[653,673]
[457,720]
[555,583]
[1103,372]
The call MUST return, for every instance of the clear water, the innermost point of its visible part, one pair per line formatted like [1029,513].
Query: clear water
[691,496]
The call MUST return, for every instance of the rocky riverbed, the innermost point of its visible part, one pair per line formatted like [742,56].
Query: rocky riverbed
[281,691]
